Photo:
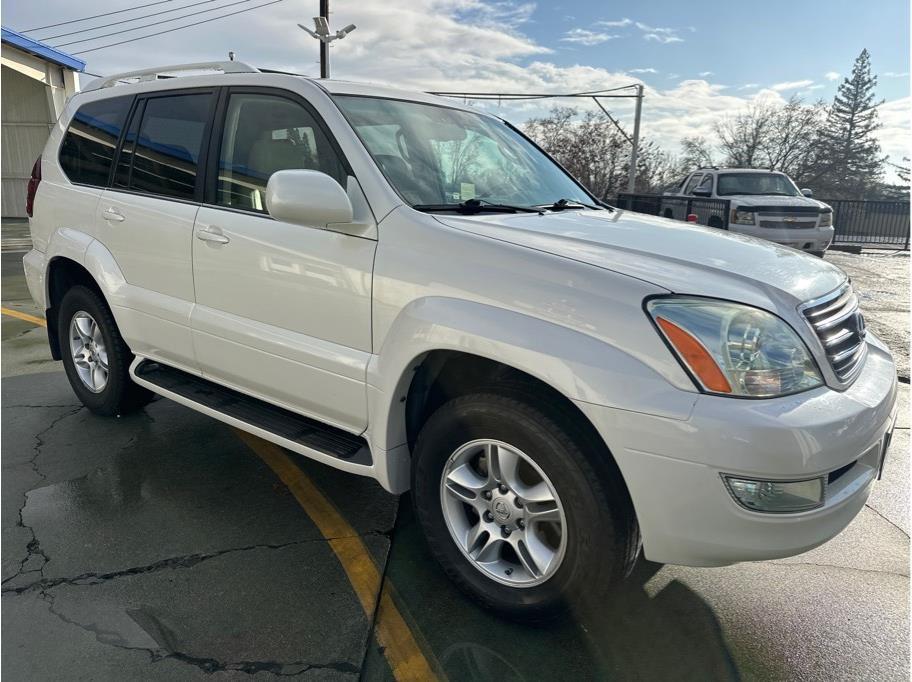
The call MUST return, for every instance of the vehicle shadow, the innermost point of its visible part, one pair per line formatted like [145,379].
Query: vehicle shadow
[643,632]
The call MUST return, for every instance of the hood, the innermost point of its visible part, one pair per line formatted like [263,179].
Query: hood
[775,201]
[677,256]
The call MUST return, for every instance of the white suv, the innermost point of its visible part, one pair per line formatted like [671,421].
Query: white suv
[410,290]
[765,204]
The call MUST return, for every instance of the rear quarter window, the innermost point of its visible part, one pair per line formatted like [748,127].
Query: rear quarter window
[88,146]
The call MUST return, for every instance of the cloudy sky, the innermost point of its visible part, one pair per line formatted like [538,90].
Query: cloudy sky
[699,61]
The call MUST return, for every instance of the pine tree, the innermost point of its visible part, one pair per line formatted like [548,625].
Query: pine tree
[852,162]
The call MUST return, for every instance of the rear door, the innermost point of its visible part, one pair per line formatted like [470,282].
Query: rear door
[145,218]
[282,311]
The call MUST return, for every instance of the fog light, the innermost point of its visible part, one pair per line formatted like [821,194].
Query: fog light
[777,496]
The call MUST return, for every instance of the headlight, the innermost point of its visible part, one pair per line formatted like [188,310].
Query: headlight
[826,219]
[742,217]
[734,349]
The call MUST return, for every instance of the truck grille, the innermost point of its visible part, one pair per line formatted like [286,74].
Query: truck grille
[841,329]
[788,219]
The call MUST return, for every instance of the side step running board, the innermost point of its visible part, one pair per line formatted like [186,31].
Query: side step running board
[283,427]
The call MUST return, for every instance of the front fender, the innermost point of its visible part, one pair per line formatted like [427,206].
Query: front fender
[579,366]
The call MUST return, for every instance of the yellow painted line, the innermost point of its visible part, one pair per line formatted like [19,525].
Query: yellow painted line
[393,634]
[40,321]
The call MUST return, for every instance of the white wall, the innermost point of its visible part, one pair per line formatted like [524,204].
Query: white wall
[34,93]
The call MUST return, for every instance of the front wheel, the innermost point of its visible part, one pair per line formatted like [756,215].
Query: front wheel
[95,356]
[526,518]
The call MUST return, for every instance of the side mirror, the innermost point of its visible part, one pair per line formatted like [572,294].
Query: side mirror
[807,192]
[307,197]
[698,192]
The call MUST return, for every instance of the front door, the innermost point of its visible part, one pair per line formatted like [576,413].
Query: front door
[282,311]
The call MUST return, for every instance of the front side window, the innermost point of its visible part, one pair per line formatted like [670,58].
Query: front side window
[264,134]
[707,184]
[435,155]
[694,179]
[775,184]
[167,147]
[87,150]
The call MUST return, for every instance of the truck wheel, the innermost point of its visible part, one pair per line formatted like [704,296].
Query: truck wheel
[521,515]
[95,356]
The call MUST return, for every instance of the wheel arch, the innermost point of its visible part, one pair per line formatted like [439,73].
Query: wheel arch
[438,348]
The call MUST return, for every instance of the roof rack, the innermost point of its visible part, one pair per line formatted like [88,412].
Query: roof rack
[158,71]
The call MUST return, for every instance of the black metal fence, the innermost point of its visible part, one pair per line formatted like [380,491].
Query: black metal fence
[872,224]
[878,224]
[709,212]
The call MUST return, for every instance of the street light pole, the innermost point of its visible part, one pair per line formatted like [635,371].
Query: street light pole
[324,46]
[635,145]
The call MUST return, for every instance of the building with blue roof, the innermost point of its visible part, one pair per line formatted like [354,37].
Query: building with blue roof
[37,80]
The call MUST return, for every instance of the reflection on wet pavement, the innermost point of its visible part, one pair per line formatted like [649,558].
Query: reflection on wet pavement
[670,634]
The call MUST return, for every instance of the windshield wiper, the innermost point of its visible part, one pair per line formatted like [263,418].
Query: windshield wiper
[563,204]
[472,206]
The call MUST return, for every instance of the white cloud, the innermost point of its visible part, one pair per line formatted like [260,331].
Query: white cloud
[618,24]
[791,85]
[749,86]
[586,37]
[648,69]
[662,38]
[818,86]
[704,74]
[831,75]
[659,34]
[894,135]
[894,74]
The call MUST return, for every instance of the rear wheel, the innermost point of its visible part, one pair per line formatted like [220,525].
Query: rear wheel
[95,356]
[520,514]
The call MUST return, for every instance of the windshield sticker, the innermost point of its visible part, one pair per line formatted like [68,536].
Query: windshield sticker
[466,191]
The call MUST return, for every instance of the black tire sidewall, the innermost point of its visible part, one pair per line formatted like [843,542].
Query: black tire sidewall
[117,393]
[596,549]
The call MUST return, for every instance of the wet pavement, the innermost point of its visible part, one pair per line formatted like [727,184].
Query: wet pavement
[164,546]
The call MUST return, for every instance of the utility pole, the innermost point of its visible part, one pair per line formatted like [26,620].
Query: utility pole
[324,46]
[635,144]
[321,32]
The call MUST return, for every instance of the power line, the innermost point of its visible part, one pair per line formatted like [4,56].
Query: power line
[178,28]
[126,21]
[96,16]
[154,23]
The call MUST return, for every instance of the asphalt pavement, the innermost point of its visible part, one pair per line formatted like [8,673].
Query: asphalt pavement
[166,545]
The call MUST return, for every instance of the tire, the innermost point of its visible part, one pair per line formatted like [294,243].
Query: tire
[599,535]
[116,394]
[669,214]
[715,222]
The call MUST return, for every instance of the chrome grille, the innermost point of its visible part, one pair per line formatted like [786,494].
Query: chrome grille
[788,219]
[841,329]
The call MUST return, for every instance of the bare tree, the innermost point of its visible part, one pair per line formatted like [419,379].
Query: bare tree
[595,152]
[742,137]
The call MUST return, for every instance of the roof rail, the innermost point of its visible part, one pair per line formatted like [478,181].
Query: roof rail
[153,73]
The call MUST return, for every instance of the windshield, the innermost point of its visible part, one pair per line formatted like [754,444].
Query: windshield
[756,183]
[435,155]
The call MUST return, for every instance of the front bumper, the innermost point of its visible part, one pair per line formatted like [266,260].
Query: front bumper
[815,239]
[674,468]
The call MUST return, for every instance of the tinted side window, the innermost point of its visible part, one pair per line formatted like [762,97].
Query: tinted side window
[694,179]
[89,143]
[264,134]
[166,154]
[707,183]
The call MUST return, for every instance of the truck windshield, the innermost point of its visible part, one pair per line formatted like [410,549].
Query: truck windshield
[436,156]
[756,183]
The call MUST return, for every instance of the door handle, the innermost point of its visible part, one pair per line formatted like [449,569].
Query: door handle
[112,215]
[212,234]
